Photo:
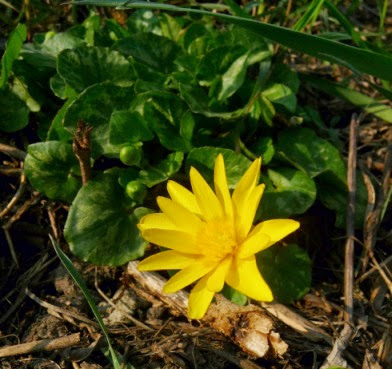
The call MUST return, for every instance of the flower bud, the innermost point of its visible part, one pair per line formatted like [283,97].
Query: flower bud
[136,191]
[131,155]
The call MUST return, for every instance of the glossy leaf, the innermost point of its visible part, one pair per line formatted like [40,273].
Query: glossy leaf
[14,113]
[287,270]
[288,192]
[13,47]
[85,66]
[101,228]
[52,168]
[128,127]
[166,168]
[310,153]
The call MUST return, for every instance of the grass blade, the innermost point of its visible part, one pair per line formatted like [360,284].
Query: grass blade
[79,281]
[369,104]
[310,15]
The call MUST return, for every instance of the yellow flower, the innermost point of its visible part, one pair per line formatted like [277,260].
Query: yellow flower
[210,237]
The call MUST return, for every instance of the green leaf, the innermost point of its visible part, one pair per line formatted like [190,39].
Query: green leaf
[157,52]
[44,55]
[60,88]
[166,168]
[21,90]
[169,118]
[264,148]
[357,59]
[203,159]
[82,285]
[234,296]
[14,44]
[234,77]
[14,113]
[85,66]
[56,130]
[281,73]
[367,103]
[287,270]
[128,127]
[198,102]
[51,168]
[310,153]
[100,227]
[280,94]
[288,192]
[95,106]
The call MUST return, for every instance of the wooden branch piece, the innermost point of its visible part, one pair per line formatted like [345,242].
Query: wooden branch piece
[41,345]
[248,326]
[335,357]
[297,322]
[12,151]
[82,147]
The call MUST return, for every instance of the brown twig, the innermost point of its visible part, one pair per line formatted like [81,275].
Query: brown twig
[350,223]
[59,310]
[122,311]
[373,220]
[335,357]
[41,345]
[82,148]
[12,220]
[12,151]
[297,322]
[17,196]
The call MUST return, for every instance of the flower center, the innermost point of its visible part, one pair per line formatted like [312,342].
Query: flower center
[217,239]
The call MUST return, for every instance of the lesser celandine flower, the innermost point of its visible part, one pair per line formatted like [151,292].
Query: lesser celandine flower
[211,238]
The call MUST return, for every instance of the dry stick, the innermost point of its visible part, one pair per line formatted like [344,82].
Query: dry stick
[17,196]
[41,345]
[248,326]
[12,151]
[22,283]
[122,311]
[54,308]
[82,147]
[335,357]
[381,265]
[12,220]
[373,221]
[297,322]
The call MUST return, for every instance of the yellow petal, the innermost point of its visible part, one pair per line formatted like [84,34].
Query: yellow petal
[221,187]
[274,230]
[245,212]
[244,276]
[199,299]
[157,220]
[247,183]
[254,243]
[181,217]
[183,196]
[176,240]
[205,197]
[217,279]
[167,260]
[188,275]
